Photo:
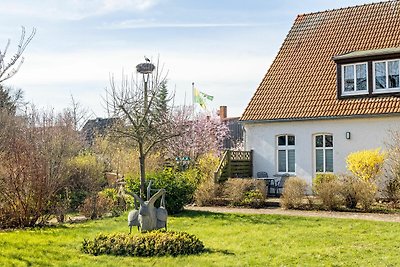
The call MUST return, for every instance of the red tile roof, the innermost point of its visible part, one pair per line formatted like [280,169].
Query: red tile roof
[301,82]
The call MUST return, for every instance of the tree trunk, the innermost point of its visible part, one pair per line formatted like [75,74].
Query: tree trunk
[142,159]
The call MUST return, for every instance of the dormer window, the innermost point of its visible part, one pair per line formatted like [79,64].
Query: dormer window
[368,73]
[386,76]
[354,79]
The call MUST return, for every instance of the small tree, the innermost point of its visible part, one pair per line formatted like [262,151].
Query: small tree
[147,118]
[9,100]
[204,134]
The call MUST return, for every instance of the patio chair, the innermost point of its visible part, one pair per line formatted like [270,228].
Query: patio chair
[270,182]
[262,175]
[280,185]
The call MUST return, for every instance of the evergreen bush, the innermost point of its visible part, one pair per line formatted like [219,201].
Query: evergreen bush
[148,244]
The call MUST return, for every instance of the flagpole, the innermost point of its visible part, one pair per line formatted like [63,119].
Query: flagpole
[193,99]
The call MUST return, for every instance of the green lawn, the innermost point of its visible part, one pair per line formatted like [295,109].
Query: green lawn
[232,240]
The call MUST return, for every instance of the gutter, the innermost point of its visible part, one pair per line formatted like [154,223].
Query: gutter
[322,118]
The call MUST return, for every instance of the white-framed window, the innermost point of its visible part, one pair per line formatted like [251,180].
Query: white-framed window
[323,144]
[386,76]
[355,79]
[286,153]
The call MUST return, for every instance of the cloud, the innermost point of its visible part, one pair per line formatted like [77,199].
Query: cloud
[143,24]
[74,9]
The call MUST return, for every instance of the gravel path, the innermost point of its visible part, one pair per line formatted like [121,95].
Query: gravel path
[304,213]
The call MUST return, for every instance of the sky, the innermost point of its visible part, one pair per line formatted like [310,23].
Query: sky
[224,46]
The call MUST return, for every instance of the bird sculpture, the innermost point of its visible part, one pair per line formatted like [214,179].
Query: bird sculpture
[147,59]
[147,217]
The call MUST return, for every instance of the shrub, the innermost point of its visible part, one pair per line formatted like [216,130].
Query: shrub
[293,193]
[349,192]
[86,178]
[391,183]
[355,190]
[248,192]
[254,198]
[366,164]
[391,188]
[118,204]
[149,244]
[207,190]
[206,193]
[179,187]
[329,190]
[34,150]
[324,178]
[96,206]
[366,193]
[207,166]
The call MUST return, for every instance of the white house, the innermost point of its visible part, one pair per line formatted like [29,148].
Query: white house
[333,89]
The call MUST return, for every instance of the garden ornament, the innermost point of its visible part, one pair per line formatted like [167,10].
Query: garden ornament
[145,215]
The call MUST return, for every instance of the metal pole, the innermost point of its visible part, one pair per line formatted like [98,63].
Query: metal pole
[145,92]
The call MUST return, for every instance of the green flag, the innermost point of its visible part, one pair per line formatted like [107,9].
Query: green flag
[201,98]
[208,97]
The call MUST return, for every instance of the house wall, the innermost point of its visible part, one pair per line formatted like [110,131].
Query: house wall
[366,133]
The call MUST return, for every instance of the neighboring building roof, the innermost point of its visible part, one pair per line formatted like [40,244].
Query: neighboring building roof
[301,82]
[96,126]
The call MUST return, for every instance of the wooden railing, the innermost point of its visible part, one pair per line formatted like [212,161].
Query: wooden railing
[234,164]
[224,162]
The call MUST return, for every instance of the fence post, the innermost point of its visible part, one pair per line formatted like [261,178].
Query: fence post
[229,164]
[251,163]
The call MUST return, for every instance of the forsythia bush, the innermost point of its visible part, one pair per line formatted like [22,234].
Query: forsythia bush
[366,164]
[154,243]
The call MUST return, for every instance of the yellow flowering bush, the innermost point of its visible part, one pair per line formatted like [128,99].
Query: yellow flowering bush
[366,164]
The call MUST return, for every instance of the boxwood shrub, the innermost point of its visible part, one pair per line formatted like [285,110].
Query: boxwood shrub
[148,244]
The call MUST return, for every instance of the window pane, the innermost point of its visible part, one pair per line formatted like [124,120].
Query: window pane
[393,69]
[348,78]
[328,141]
[319,160]
[281,160]
[380,75]
[361,77]
[282,140]
[291,140]
[291,160]
[329,160]
[319,141]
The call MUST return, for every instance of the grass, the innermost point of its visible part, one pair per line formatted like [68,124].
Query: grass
[232,240]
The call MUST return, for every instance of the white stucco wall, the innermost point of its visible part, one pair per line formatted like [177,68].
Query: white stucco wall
[366,133]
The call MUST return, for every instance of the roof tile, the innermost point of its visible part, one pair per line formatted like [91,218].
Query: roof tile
[301,82]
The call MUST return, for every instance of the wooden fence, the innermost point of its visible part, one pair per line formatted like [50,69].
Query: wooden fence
[234,164]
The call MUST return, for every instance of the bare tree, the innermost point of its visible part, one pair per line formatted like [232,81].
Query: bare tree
[9,68]
[146,116]
[78,113]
